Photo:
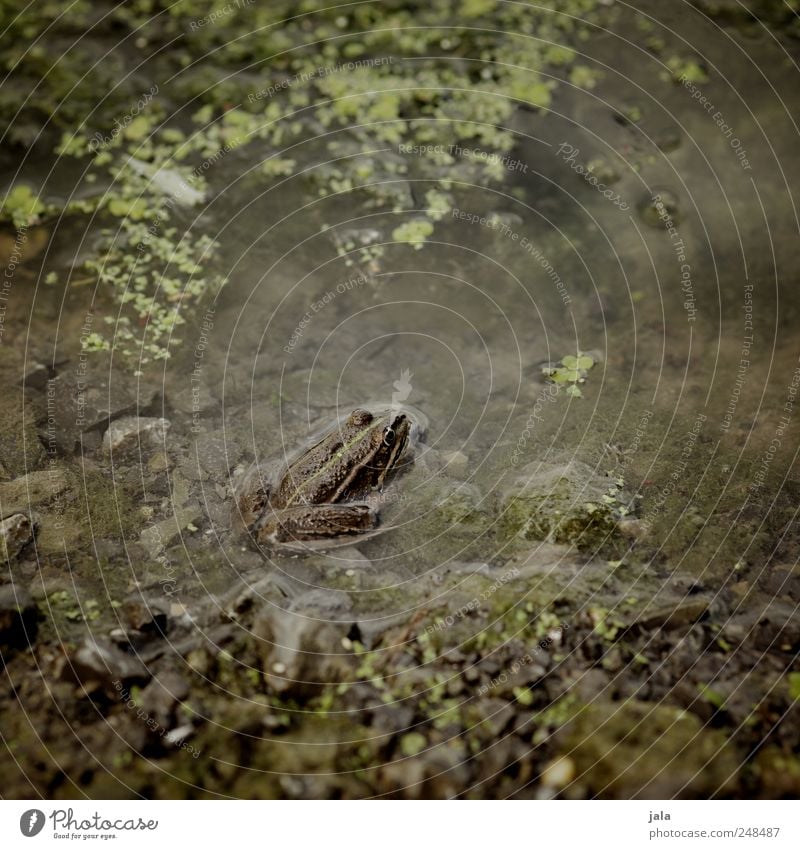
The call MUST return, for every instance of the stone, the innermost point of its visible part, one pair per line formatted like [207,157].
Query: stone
[216,455]
[145,614]
[564,503]
[196,398]
[98,661]
[456,463]
[131,433]
[631,528]
[623,750]
[32,490]
[781,580]
[18,614]
[770,625]
[741,588]
[673,616]
[160,462]
[775,627]
[16,532]
[169,531]
[246,596]
[661,209]
[54,536]
[301,649]
[558,773]
[161,696]
[36,377]
[85,400]
[20,447]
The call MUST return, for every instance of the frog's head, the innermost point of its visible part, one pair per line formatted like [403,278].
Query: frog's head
[394,438]
[387,438]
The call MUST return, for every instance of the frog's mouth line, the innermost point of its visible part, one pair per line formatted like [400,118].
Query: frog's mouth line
[397,448]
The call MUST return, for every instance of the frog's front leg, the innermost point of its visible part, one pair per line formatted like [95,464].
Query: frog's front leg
[314,522]
[251,501]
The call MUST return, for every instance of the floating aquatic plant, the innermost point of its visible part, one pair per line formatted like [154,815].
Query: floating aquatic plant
[571,371]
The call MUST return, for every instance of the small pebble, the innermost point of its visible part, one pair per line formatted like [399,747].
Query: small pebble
[558,773]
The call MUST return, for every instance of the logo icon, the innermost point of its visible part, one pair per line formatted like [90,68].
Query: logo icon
[402,388]
[31,822]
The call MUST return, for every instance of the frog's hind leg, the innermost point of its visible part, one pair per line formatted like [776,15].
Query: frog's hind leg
[323,521]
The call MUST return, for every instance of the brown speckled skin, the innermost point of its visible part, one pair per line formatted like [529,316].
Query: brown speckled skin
[324,521]
[309,500]
[345,465]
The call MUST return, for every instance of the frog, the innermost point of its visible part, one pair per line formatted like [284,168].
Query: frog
[329,491]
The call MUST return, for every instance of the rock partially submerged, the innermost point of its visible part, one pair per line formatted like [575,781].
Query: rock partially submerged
[167,181]
[84,404]
[20,447]
[169,531]
[32,490]
[98,662]
[134,432]
[564,503]
[16,531]
[301,648]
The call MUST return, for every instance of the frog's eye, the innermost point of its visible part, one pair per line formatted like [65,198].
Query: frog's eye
[388,437]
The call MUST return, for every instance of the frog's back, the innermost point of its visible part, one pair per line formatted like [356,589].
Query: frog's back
[304,480]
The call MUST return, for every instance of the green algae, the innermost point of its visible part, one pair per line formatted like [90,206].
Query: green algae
[356,73]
